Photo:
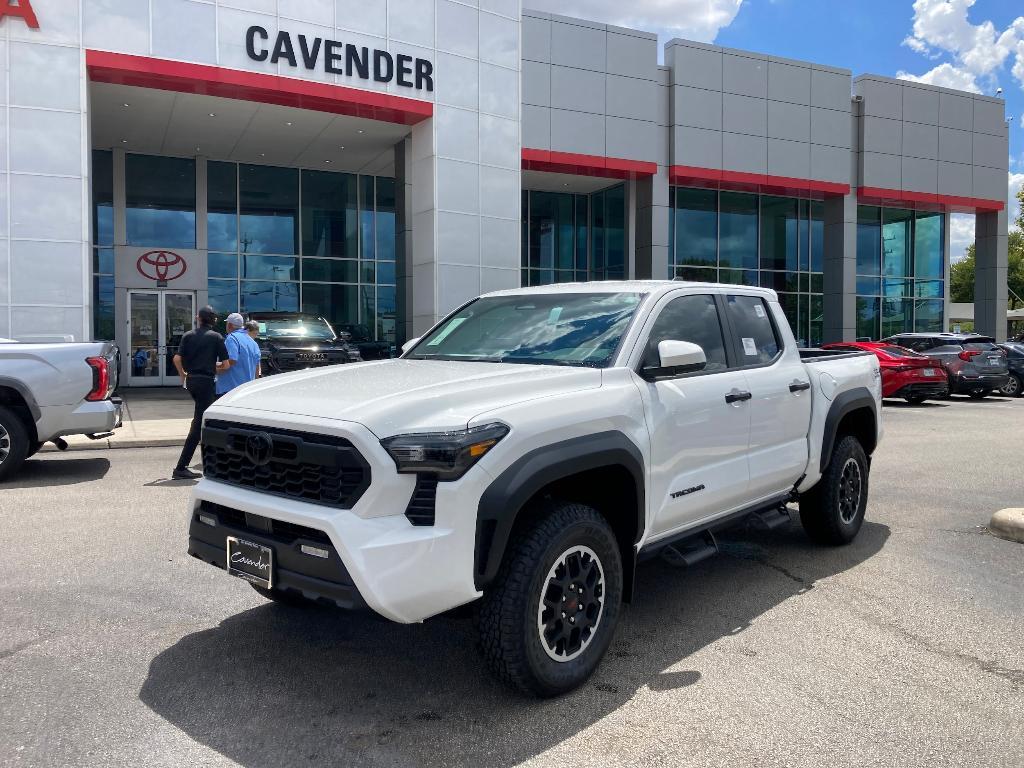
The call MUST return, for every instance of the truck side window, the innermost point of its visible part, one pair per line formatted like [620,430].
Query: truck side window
[693,319]
[756,340]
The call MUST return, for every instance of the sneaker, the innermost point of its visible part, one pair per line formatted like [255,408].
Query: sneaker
[185,474]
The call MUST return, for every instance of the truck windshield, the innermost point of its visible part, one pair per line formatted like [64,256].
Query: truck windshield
[296,328]
[581,329]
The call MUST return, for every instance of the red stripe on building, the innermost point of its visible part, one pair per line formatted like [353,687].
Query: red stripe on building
[927,201]
[146,72]
[689,175]
[585,165]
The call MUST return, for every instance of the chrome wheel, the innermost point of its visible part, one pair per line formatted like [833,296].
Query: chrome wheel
[5,444]
[571,603]
[1011,387]
[850,485]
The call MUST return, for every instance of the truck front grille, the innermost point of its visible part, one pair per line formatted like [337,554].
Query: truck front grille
[321,469]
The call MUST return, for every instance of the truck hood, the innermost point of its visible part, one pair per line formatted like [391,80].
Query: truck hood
[390,397]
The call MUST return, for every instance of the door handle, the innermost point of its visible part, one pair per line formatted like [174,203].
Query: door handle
[737,396]
[799,386]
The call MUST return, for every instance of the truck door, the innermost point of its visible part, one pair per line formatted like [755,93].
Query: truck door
[780,406]
[699,422]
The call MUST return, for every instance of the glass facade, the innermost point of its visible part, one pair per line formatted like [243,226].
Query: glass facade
[102,245]
[568,237]
[289,240]
[900,271]
[749,239]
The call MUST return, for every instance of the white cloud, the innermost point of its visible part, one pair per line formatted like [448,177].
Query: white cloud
[978,50]
[691,19]
[961,235]
[1013,205]
[945,75]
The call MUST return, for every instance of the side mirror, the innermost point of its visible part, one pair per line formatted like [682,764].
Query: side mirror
[676,358]
[410,344]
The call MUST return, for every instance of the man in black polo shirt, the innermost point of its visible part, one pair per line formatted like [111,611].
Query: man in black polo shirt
[201,356]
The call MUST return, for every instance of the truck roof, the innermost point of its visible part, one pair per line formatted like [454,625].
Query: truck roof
[630,286]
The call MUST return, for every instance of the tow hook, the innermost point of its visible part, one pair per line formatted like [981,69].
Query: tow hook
[61,443]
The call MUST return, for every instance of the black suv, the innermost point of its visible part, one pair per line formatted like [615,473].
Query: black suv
[1014,386]
[974,364]
[369,348]
[291,341]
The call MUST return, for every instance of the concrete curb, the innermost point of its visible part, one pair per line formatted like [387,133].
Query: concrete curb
[123,442]
[1008,524]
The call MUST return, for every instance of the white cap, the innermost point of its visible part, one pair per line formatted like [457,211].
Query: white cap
[235,319]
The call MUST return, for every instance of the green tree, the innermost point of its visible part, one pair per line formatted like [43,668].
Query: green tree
[961,274]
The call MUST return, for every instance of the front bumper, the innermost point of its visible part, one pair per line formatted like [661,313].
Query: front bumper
[404,572]
[970,382]
[922,389]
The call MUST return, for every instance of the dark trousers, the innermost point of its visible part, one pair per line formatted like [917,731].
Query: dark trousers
[203,391]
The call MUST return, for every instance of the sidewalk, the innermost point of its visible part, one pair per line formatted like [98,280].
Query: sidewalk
[153,416]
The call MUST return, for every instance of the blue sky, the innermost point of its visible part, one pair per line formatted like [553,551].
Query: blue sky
[970,44]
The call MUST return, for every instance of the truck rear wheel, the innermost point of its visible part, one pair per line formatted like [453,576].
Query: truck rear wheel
[13,442]
[832,512]
[550,616]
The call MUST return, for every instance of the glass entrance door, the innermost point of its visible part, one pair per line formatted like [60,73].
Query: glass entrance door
[157,321]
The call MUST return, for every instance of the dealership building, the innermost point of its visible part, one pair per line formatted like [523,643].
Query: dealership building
[380,162]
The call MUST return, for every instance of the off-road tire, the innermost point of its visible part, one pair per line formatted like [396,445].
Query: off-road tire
[284,597]
[822,508]
[509,613]
[14,443]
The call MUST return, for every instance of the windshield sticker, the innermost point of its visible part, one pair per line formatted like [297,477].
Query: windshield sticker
[446,332]
[749,347]
[758,310]
[554,314]
[263,328]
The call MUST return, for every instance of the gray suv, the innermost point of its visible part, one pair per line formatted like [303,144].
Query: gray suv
[974,364]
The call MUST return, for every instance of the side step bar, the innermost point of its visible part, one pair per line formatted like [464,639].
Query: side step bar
[770,519]
[690,552]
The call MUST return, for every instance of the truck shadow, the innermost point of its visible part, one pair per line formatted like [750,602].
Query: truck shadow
[277,685]
[43,472]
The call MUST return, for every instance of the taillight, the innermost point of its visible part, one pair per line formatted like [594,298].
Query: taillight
[967,354]
[100,378]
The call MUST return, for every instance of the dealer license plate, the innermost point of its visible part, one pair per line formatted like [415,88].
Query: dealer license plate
[250,561]
[929,371]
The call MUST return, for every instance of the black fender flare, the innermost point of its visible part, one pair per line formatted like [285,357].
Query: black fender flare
[26,394]
[847,402]
[506,496]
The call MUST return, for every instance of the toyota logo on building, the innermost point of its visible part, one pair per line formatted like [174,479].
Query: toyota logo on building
[258,448]
[161,265]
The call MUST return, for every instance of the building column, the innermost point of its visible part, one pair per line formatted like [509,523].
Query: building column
[403,242]
[840,264]
[990,289]
[653,211]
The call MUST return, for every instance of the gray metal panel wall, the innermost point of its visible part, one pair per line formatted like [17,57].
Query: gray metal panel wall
[739,111]
[926,139]
[591,89]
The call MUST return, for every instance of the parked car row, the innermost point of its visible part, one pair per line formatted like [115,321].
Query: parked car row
[922,366]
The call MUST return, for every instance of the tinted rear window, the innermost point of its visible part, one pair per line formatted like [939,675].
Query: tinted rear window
[899,352]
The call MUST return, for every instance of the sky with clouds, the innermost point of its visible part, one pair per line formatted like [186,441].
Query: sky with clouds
[974,45]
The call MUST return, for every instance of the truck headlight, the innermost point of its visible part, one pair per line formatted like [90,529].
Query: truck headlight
[449,455]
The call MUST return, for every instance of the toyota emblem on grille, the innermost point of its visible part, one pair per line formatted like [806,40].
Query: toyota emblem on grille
[258,448]
[161,265]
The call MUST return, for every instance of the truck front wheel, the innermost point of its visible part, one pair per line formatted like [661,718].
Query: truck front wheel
[13,442]
[549,618]
[832,512]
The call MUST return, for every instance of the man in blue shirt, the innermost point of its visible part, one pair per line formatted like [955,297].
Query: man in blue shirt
[243,356]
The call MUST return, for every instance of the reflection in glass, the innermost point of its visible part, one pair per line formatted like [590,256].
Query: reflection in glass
[269,296]
[270,267]
[928,288]
[160,197]
[103,261]
[102,197]
[103,308]
[696,227]
[869,240]
[779,233]
[144,333]
[817,236]
[329,215]
[223,296]
[928,240]
[867,317]
[222,265]
[269,201]
[896,316]
[367,227]
[738,226]
[222,205]
[928,315]
[330,270]
[897,228]
[738,276]
[385,220]
[336,303]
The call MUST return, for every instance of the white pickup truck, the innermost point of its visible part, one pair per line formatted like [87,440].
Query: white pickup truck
[527,453]
[48,391]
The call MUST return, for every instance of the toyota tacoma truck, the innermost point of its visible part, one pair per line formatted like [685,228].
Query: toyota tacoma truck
[527,453]
[48,391]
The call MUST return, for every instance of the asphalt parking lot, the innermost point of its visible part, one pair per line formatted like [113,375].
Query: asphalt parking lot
[905,648]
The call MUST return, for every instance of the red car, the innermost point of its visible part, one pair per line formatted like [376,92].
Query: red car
[905,373]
